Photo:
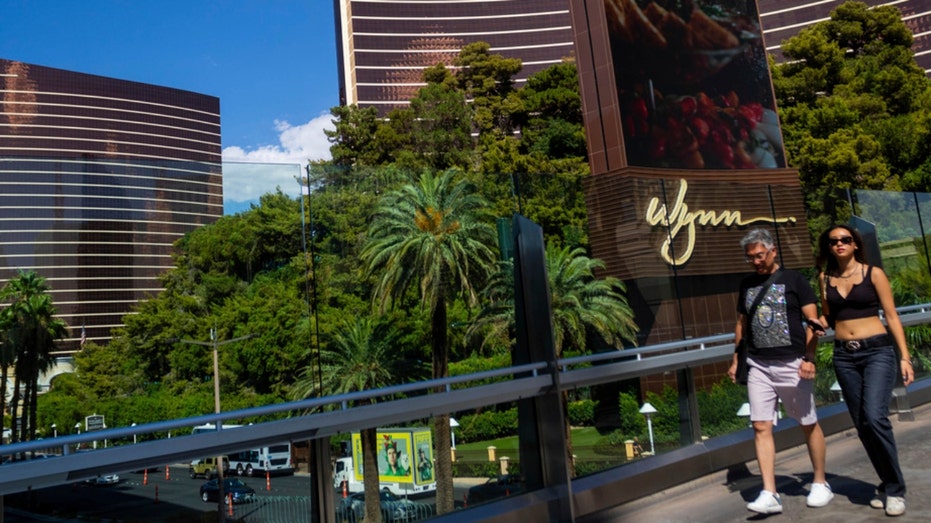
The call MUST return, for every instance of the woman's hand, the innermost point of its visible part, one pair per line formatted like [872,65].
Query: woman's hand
[908,373]
[732,371]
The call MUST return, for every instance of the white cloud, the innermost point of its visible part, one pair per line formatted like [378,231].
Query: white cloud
[248,174]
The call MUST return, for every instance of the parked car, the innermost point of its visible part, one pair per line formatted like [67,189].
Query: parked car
[104,479]
[207,467]
[241,492]
[497,487]
[394,509]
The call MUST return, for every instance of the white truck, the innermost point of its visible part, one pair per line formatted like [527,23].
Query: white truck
[405,462]
[273,459]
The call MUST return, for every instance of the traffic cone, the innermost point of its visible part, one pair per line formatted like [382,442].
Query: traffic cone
[229,499]
[167,473]
[268,480]
[345,489]
[145,477]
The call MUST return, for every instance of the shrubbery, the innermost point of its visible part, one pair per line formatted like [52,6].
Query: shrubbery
[717,408]
[487,425]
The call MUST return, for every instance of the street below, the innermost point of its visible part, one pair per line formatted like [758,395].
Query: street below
[153,498]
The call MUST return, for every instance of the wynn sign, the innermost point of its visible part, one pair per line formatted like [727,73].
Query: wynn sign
[686,154]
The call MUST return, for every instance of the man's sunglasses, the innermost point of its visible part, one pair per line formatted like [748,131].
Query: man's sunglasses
[846,240]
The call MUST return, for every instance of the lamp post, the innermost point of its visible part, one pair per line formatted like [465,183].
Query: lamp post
[648,411]
[134,434]
[215,345]
[54,430]
[452,434]
[835,388]
[744,412]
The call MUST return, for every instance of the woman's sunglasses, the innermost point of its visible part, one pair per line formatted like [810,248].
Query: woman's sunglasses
[846,240]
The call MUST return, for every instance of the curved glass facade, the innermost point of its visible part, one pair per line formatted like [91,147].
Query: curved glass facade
[98,178]
[783,19]
[385,45]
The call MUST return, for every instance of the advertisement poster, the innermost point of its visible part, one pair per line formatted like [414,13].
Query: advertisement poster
[693,84]
[394,460]
[423,443]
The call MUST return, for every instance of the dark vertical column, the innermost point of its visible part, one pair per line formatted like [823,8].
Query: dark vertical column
[541,420]
[321,491]
[689,420]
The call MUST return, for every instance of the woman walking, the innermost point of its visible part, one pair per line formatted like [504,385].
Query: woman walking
[867,353]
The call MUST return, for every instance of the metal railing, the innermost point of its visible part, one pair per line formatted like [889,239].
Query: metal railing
[328,416]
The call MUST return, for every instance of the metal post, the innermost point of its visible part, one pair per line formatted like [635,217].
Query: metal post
[216,409]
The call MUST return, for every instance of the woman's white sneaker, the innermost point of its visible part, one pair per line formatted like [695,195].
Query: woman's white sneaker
[895,506]
[820,495]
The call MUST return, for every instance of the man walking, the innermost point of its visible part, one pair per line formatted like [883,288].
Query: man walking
[781,362]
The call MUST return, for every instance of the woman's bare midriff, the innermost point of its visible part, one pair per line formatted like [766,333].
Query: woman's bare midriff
[859,328]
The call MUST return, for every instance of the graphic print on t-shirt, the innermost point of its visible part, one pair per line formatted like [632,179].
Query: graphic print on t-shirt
[770,324]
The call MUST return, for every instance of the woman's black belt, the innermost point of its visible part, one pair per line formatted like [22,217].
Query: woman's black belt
[880,340]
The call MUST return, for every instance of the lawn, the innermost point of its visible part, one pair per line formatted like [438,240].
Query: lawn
[584,442]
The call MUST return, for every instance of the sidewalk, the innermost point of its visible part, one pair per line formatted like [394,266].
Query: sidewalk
[722,497]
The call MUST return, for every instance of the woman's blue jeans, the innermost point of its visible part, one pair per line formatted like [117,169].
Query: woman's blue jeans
[866,378]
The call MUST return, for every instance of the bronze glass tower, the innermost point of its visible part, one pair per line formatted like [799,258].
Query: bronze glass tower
[384,45]
[98,178]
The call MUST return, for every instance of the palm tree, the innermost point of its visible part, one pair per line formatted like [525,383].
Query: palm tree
[580,302]
[31,331]
[7,356]
[360,356]
[432,235]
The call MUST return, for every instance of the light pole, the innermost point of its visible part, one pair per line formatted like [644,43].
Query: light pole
[215,345]
[744,412]
[134,434]
[54,430]
[648,411]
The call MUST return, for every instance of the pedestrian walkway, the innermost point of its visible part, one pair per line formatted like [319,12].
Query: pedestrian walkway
[722,497]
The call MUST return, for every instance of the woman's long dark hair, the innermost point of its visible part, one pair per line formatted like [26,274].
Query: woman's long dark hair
[826,261]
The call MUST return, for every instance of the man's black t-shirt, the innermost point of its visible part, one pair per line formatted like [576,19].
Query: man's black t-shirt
[777,328]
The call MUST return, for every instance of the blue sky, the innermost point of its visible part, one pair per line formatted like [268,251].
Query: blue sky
[272,64]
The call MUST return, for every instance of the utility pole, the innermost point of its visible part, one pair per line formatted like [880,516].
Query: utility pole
[215,345]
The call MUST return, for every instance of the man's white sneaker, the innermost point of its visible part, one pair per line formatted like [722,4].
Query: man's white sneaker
[820,495]
[766,503]
[878,501]
[895,506]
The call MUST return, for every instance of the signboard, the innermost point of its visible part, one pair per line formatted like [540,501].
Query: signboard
[693,85]
[676,85]
[94,422]
[686,156]
[643,227]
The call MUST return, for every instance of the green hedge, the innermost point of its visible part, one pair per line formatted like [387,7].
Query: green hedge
[717,407]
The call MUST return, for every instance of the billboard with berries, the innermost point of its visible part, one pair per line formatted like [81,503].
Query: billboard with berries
[686,155]
[693,84]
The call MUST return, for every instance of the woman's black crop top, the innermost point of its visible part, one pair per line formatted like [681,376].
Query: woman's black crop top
[862,302]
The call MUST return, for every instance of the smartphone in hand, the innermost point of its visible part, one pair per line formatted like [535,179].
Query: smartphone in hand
[816,326]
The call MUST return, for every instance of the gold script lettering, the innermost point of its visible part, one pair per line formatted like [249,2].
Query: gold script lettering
[679,218]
